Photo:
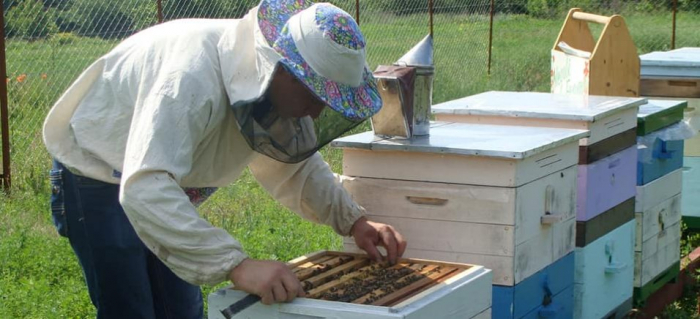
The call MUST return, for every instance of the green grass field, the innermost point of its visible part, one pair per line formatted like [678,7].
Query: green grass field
[39,275]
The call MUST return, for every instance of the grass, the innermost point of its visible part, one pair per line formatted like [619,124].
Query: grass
[39,275]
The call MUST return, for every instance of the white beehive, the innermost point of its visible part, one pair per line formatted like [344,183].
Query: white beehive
[498,196]
[431,289]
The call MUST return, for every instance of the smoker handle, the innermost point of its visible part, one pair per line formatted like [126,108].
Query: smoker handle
[589,17]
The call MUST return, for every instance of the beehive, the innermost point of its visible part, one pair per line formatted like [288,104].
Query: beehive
[606,180]
[346,285]
[607,171]
[675,75]
[499,196]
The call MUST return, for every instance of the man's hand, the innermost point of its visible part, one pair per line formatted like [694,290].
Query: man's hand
[273,281]
[368,235]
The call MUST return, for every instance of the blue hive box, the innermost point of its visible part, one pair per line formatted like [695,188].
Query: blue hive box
[548,293]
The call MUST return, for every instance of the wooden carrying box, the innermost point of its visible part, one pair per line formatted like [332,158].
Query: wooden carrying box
[607,67]
[345,285]
[604,273]
[607,176]
[502,197]
[658,216]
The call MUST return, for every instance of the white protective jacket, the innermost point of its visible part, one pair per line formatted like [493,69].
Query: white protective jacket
[154,116]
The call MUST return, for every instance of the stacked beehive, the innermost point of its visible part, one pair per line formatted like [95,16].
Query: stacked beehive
[606,182]
[675,75]
[658,205]
[499,196]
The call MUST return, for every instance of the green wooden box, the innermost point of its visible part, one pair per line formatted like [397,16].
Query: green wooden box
[658,114]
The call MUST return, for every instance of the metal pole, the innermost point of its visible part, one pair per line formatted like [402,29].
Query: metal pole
[357,12]
[673,32]
[6,181]
[430,12]
[493,9]
[159,4]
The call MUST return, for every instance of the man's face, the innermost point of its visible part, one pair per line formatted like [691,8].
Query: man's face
[290,98]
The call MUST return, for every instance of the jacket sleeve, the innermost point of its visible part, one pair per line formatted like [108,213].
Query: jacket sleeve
[310,189]
[167,125]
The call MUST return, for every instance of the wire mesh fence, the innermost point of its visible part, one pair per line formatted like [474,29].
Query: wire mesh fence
[49,42]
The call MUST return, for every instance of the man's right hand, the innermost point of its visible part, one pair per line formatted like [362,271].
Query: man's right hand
[273,281]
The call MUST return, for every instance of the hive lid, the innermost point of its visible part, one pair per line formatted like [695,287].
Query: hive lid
[684,62]
[539,105]
[659,107]
[514,142]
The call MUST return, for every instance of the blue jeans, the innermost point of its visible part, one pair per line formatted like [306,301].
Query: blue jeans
[124,279]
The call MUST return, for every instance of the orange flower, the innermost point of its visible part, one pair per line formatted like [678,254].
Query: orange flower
[43,76]
[7,80]
[21,78]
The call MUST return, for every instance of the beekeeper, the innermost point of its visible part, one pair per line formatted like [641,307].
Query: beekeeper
[149,131]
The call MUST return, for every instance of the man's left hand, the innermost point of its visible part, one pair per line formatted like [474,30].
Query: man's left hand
[368,235]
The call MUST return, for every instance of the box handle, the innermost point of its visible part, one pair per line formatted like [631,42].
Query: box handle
[663,152]
[690,84]
[550,311]
[549,218]
[428,201]
[589,17]
[662,226]
[613,267]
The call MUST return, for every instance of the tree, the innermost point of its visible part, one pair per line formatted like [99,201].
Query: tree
[30,20]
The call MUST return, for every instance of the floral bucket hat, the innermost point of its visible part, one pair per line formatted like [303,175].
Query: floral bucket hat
[322,46]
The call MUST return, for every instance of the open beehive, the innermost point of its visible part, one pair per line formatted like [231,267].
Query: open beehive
[355,279]
[348,285]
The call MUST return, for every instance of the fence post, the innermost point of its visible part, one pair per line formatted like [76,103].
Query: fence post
[159,4]
[673,31]
[4,115]
[493,8]
[357,12]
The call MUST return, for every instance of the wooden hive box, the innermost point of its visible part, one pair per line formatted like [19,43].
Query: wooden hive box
[658,217]
[346,285]
[657,156]
[690,207]
[511,188]
[549,293]
[607,174]
[659,114]
[604,274]
[675,75]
